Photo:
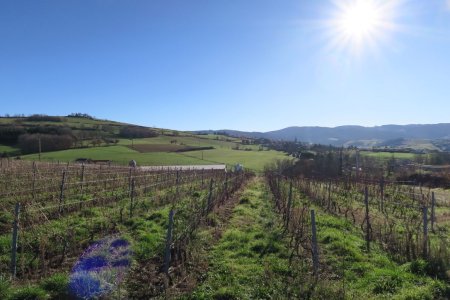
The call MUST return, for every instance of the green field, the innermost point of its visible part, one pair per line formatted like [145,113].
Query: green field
[7,149]
[122,153]
[255,160]
[198,141]
[227,150]
[118,154]
[388,155]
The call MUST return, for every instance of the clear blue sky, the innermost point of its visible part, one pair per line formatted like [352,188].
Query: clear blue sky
[236,64]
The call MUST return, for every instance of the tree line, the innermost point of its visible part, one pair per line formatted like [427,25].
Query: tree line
[31,139]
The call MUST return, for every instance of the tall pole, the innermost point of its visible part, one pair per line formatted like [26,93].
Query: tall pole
[382,194]
[315,252]
[167,254]
[40,146]
[14,241]
[289,204]
[425,231]
[433,214]
[366,202]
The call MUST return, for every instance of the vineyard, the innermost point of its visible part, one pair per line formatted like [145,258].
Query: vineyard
[51,213]
[73,231]
[408,222]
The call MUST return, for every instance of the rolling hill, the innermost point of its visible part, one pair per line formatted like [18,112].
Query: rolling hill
[104,140]
[427,136]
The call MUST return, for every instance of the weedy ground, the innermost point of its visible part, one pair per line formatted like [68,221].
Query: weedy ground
[243,252]
[251,258]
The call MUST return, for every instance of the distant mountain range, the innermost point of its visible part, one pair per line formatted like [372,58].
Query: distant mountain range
[427,136]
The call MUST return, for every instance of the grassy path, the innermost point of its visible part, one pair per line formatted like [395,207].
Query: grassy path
[249,260]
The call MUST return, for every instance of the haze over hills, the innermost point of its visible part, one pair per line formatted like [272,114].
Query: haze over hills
[428,135]
[434,137]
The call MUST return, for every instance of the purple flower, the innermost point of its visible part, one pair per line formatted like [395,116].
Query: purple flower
[101,268]
[84,286]
[120,243]
[121,263]
[90,263]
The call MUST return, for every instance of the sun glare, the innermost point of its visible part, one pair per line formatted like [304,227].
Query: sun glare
[360,24]
[360,19]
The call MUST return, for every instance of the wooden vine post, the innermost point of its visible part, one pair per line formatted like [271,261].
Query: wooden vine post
[82,179]
[81,186]
[382,194]
[34,181]
[39,146]
[145,183]
[278,191]
[133,183]
[329,196]
[61,192]
[366,203]
[167,254]
[203,171]
[14,241]
[315,252]
[209,203]
[433,213]
[425,231]
[177,183]
[226,185]
[289,204]
[129,181]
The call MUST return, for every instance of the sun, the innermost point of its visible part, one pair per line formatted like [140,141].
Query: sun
[356,25]
[360,20]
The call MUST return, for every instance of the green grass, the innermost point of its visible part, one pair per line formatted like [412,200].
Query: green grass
[198,141]
[8,149]
[369,275]
[222,153]
[250,259]
[121,154]
[348,269]
[254,160]
[388,155]
[145,230]
[118,154]
[218,136]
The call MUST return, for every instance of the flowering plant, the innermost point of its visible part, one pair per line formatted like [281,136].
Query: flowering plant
[101,269]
